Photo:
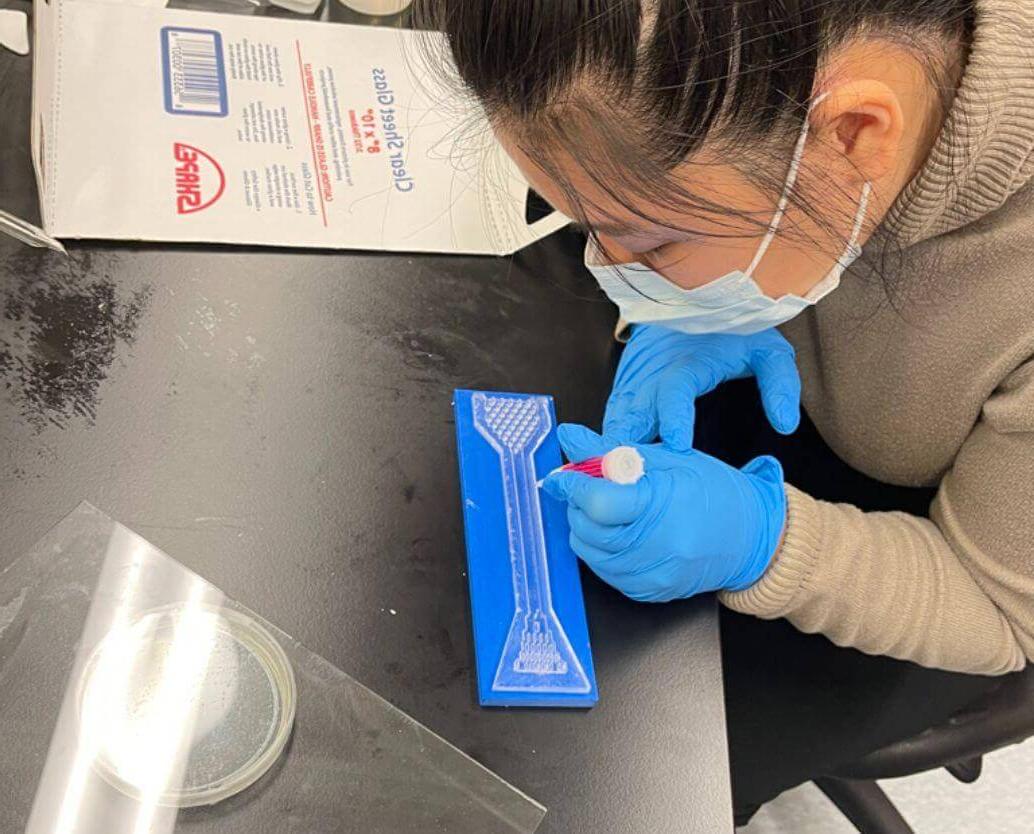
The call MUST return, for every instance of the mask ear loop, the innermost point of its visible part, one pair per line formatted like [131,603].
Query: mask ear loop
[856,230]
[851,251]
[784,198]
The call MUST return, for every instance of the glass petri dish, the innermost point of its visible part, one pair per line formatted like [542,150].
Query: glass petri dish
[186,705]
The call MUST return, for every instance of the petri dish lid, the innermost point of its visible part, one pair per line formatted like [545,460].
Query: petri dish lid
[186,705]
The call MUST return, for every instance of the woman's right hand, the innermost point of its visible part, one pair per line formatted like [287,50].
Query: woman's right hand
[662,372]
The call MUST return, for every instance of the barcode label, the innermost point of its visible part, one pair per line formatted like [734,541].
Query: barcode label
[193,72]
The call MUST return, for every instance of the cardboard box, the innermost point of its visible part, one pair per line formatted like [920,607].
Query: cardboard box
[157,124]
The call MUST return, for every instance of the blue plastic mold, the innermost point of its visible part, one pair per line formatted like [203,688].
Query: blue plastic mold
[531,639]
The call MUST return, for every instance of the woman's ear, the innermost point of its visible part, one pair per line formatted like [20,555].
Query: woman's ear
[862,122]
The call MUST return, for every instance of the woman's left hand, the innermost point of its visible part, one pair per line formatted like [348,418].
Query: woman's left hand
[662,372]
[691,524]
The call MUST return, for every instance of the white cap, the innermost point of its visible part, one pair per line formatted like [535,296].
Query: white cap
[623,465]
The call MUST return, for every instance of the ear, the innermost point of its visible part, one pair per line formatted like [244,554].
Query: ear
[861,122]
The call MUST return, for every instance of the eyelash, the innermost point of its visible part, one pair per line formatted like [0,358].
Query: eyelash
[649,253]
[654,255]
[657,250]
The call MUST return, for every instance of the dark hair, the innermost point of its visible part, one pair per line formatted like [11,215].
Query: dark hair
[630,88]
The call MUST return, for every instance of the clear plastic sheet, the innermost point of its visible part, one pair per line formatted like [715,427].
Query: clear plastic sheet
[136,698]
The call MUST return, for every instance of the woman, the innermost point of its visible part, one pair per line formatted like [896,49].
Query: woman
[730,160]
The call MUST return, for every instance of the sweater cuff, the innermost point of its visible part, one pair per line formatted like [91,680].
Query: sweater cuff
[774,594]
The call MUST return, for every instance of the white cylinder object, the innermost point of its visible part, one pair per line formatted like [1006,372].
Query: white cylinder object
[623,465]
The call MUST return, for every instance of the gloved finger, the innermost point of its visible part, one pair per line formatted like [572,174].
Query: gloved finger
[780,384]
[628,420]
[606,537]
[597,561]
[580,443]
[594,557]
[765,467]
[661,580]
[658,457]
[602,501]
[644,587]
[676,411]
[650,585]
[646,590]
[602,573]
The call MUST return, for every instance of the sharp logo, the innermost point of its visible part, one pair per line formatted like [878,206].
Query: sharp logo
[199,179]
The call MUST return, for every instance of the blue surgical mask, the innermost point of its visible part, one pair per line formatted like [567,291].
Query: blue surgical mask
[733,303]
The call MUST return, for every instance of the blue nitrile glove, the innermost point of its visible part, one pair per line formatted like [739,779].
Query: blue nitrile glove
[691,524]
[662,372]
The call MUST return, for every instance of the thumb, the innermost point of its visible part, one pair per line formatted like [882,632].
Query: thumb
[780,386]
[765,467]
[580,443]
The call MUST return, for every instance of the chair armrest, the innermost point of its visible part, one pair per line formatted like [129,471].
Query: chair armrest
[1004,716]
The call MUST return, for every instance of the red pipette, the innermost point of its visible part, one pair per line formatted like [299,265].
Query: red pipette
[623,465]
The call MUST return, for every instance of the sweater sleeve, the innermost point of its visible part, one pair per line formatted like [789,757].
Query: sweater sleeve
[955,591]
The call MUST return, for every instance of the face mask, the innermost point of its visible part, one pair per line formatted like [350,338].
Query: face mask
[733,303]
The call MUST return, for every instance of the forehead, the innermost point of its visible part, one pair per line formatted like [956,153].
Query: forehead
[714,193]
